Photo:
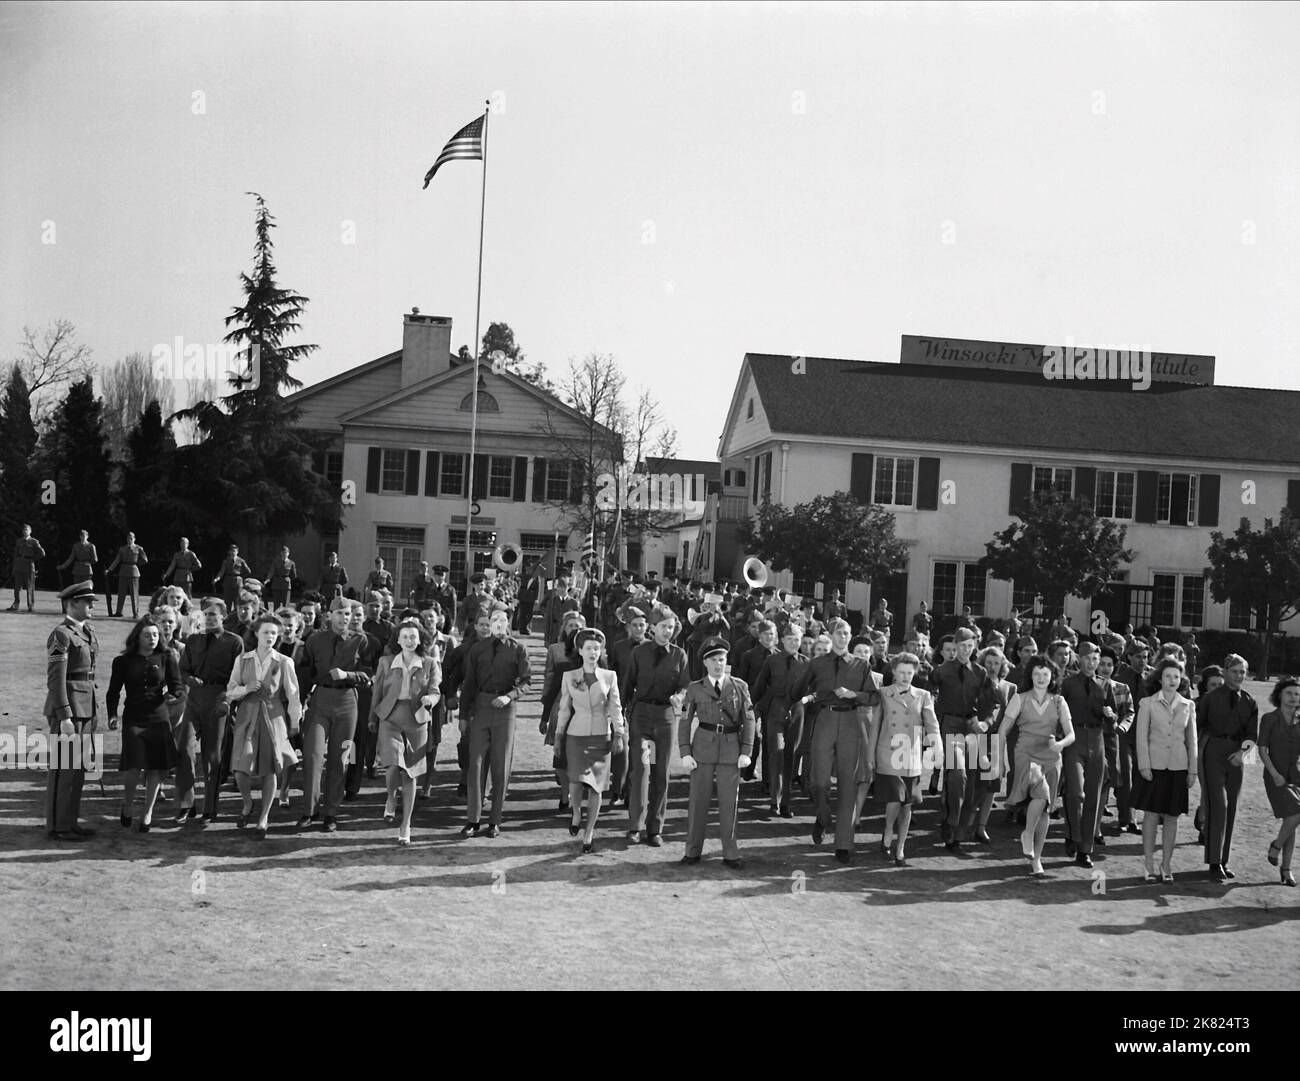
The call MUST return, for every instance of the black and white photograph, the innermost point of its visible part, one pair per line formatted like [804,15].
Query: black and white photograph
[650,497]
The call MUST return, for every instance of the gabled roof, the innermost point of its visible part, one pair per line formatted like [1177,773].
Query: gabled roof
[345,376]
[912,403]
[685,467]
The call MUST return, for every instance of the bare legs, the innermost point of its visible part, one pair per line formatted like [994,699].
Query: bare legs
[1169,838]
[593,797]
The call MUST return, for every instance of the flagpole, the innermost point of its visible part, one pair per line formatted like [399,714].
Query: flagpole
[474,348]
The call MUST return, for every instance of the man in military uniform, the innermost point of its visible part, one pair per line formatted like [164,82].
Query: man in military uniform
[718,751]
[81,559]
[27,550]
[474,603]
[421,591]
[530,595]
[128,561]
[206,663]
[378,579]
[230,576]
[70,710]
[180,571]
[333,578]
[445,595]
[279,578]
[557,602]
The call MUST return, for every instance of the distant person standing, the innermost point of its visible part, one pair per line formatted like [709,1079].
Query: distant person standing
[421,591]
[180,571]
[378,579]
[27,550]
[230,576]
[128,561]
[332,578]
[558,601]
[445,594]
[81,559]
[70,709]
[882,619]
[835,608]
[279,578]
[530,595]
[923,622]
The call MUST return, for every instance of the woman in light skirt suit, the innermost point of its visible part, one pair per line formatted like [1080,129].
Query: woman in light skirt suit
[264,683]
[1166,752]
[1042,720]
[404,691]
[904,723]
[589,726]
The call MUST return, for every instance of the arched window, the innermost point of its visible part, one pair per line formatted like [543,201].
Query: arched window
[486,403]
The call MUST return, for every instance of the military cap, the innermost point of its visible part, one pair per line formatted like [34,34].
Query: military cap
[712,648]
[476,577]
[633,612]
[78,590]
[439,568]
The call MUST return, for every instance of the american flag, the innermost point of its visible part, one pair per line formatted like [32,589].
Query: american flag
[465,145]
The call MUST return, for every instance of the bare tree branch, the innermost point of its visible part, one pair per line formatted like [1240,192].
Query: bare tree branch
[50,360]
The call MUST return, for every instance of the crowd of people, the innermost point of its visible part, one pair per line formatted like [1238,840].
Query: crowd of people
[748,684]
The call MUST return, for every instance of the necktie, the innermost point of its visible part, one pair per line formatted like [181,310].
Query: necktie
[717,688]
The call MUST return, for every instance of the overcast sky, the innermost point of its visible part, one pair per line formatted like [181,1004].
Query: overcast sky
[675,185]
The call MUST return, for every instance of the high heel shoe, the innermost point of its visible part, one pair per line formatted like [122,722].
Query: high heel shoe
[1151,875]
[403,841]
[1274,851]
[1166,875]
[588,847]
[574,829]
[886,847]
[143,827]
[390,812]
[1287,878]
[123,817]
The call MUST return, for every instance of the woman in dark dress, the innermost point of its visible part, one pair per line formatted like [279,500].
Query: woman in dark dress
[1279,750]
[149,674]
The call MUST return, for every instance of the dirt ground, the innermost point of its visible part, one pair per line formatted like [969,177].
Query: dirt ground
[214,908]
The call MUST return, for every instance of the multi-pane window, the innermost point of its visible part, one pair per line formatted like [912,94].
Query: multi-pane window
[1193,601]
[945,588]
[1239,616]
[1048,478]
[1166,594]
[479,538]
[974,587]
[334,469]
[1022,598]
[1176,498]
[501,477]
[895,481]
[1114,497]
[670,565]
[393,476]
[557,479]
[451,475]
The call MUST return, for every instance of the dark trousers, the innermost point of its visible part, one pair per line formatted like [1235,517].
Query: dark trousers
[25,582]
[364,743]
[784,730]
[837,742]
[960,771]
[128,586]
[331,722]
[491,743]
[1084,766]
[63,786]
[652,736]
[716,753]
[1126,753]
[1219,799]
[207,713]
[230,588]
[280,589]
[525,614]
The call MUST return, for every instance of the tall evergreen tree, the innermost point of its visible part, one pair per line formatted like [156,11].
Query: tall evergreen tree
[19,484]
[250,475]
[74,454]
[146,506]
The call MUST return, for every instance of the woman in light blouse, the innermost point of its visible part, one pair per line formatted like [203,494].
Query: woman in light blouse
[265,684]
[589,727]
[1279,750]
[403,684]
[1166,749]
[1042,720]
[903,722]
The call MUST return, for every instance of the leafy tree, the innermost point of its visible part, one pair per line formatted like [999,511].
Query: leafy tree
[74,454]
[832,538]
[1060,546]
[250,474]
[500,338]
[1259,569]
[19,484]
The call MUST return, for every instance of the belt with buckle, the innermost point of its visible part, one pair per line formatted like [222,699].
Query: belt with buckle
[651,702]
[719,728]
[842,709]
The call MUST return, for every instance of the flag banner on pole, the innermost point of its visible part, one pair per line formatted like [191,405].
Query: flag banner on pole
[465,145]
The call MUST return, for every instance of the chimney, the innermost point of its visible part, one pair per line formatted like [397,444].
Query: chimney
[426,346]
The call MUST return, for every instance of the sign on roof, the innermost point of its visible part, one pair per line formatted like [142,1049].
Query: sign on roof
[1071,363]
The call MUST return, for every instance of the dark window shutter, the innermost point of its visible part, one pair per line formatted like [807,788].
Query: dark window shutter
[372,469]
[576,479]
[1180,490]
[480,476]
[412,472]
[432,467]
[1293,495]
[767,475]
[521,479]
[1022,479]
[927,484]
[758,458]
[860,477]
[1207,500]
[539,480]
[1144,502]
[1085,484]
